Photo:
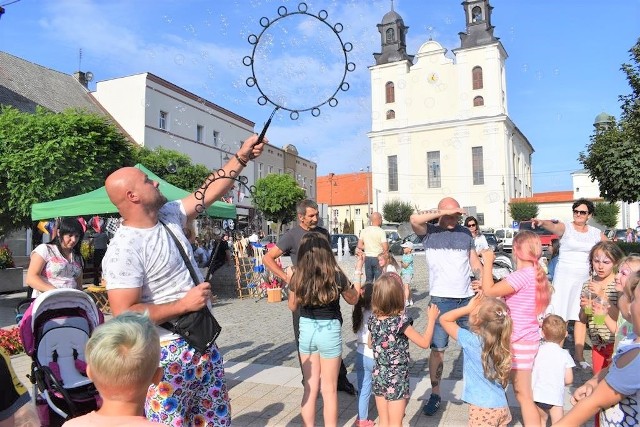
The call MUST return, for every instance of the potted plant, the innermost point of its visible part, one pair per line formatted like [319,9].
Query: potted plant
[6,258]
[10,277]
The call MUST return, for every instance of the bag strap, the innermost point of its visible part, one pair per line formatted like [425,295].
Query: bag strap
[185,258]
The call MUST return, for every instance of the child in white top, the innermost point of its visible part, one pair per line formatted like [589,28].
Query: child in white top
[364,356]
[387,263]
[552,370]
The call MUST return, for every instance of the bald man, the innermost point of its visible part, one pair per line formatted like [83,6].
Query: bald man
[451,256]
[373,241]
[144,271]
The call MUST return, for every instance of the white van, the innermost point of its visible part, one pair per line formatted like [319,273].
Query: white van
[505,235]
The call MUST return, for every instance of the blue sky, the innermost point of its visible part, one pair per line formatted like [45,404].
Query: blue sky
[563,67]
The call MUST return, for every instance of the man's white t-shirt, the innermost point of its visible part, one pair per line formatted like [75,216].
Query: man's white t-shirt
[148,258]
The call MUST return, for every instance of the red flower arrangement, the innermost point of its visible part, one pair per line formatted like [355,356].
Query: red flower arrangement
[10,341]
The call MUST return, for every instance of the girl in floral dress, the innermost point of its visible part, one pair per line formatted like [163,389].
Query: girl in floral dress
[391,329]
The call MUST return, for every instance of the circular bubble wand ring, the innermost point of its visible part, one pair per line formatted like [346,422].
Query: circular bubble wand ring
[263,99]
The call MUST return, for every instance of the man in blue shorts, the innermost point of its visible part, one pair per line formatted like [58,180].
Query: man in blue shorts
[451,256]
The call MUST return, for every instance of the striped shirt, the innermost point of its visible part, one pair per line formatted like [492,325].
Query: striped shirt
[522,304]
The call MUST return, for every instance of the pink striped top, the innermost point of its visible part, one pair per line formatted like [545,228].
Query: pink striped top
[522,304]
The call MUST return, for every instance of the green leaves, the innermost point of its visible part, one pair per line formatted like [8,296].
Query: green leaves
[613,155]
[276,197]
[397,211]
[46,156]
[523,211]
[606,214]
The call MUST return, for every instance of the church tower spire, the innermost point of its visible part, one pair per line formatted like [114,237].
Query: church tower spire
[393,39]
[478,20]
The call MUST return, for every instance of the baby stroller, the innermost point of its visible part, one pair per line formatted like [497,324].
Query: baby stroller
[54,331]
[502,266]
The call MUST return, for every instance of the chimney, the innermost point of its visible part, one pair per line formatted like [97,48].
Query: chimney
[82,78]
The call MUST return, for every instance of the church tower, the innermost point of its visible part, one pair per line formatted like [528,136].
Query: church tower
[393,39]
[440,124]
[479,29]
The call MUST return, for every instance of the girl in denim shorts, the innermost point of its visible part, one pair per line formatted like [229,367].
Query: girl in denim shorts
[315,288]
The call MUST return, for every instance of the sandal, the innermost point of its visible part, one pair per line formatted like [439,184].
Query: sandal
[584,365]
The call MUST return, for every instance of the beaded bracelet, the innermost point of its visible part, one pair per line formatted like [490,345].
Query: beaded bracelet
[242,162]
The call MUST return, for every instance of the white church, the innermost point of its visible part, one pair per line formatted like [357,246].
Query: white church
[441,126]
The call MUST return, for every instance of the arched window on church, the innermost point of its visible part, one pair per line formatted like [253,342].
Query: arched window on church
[476,76]
[478,101]
[390,93]
[391,35]
[476,12]
[391,114]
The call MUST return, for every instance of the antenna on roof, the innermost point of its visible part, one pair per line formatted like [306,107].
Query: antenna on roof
[80,59]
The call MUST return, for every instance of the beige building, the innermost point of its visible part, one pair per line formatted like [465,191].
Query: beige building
[440,124]
[157,113]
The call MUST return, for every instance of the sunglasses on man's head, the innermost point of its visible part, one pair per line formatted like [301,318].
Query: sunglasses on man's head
[577,212]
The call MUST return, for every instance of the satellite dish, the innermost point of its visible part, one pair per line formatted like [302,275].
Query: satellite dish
[88,76]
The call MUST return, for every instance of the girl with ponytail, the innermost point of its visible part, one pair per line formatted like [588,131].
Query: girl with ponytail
[528,283]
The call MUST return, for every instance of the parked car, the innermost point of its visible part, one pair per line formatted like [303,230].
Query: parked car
[505,236]
[351,238]
[545,235]
[619,234]
[492,240]
[396,247]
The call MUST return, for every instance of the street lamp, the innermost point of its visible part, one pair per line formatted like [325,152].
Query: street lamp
[368,193]
[224,148]
[331,184]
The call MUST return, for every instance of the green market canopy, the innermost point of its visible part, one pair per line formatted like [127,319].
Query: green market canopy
[97,202]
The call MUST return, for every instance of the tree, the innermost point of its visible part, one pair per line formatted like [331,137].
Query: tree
[523,211]
[172,166]
[276,197]
[46,156]
[346,228]
[613,155]
[397,211]
[606,214]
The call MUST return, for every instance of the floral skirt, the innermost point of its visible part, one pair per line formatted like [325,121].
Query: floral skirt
[192,391]
[391,382]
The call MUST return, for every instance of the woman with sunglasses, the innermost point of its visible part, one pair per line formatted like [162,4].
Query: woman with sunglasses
[576,240]
[478,238]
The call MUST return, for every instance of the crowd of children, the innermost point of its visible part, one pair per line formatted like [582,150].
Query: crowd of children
[510,340]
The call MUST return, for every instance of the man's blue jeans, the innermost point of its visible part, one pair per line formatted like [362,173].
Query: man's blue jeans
[371,269]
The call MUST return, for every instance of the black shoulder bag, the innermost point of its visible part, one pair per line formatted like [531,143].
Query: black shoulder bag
[199,328]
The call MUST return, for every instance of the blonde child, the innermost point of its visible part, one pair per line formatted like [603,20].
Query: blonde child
[364,354]
[487,359]
[387,263]
[123,358]
[407,271]
[624,412]
[315,288]
[621,385]
[603,258]
[391,329]
[527,284]
[552,370]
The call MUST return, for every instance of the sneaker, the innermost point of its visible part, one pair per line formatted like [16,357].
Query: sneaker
[364,423]
[406,303]
[432,405]
[410,302]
